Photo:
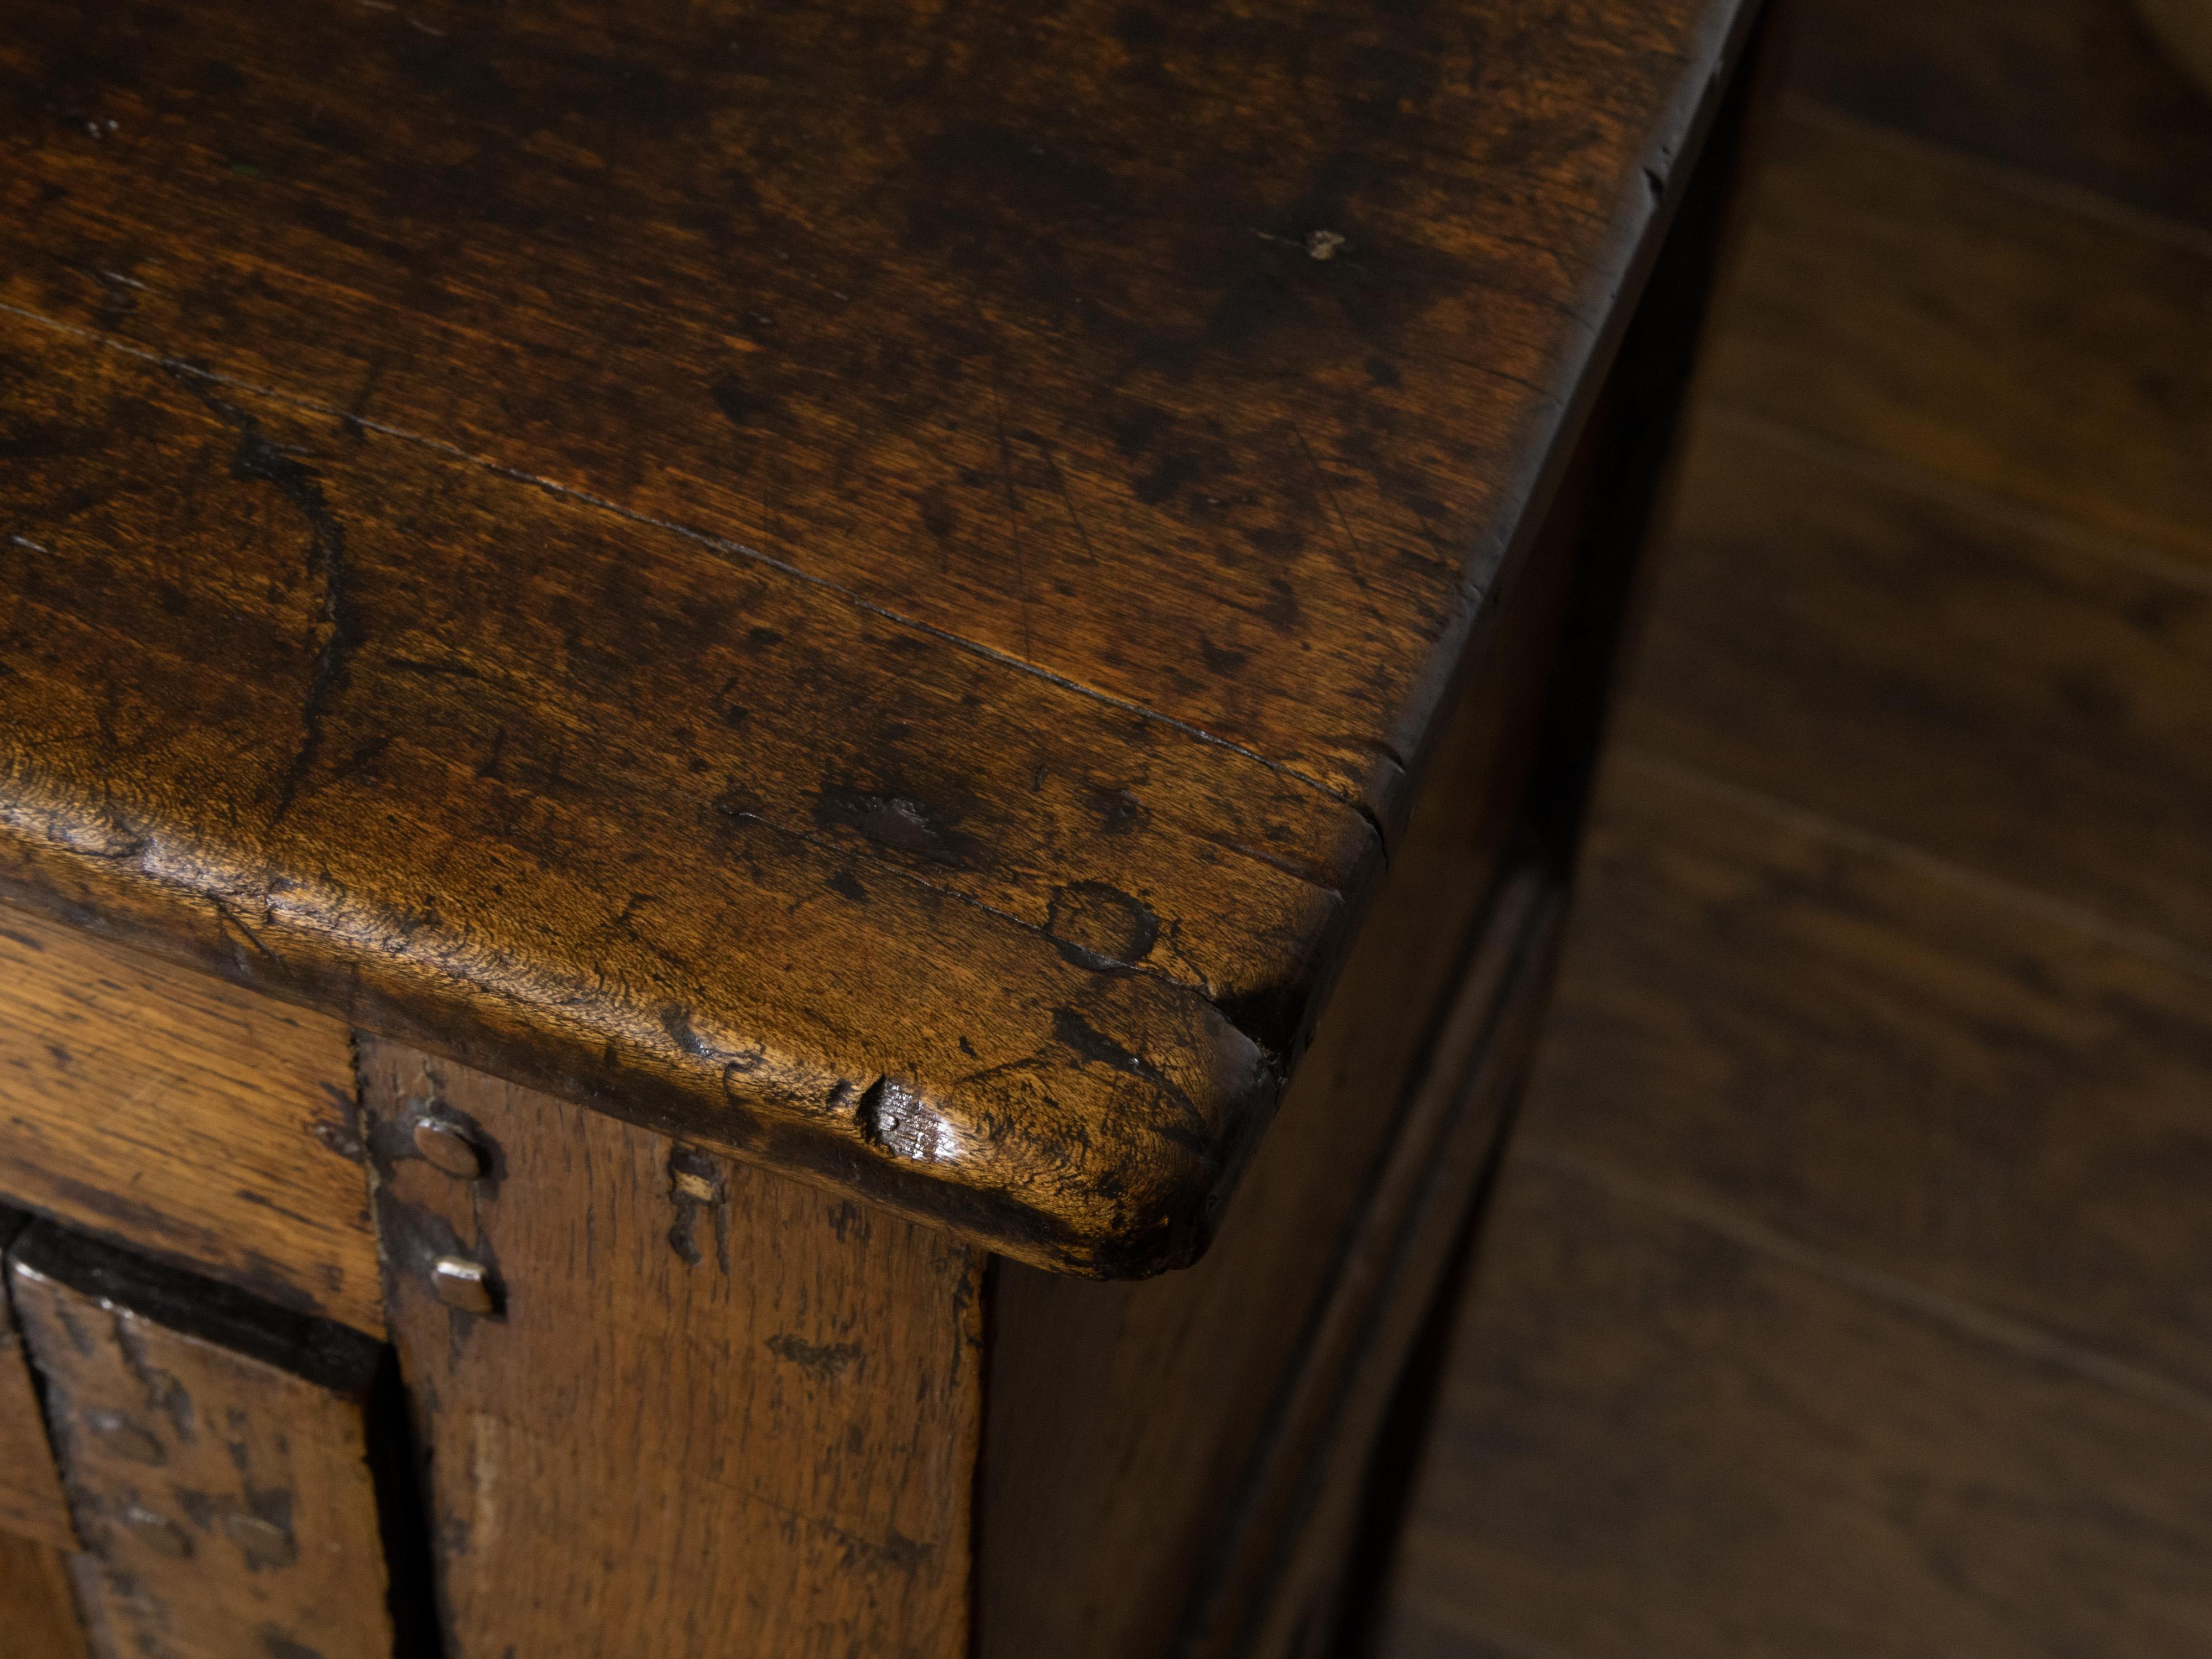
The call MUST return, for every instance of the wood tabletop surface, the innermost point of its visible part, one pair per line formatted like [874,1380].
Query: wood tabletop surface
[860,583]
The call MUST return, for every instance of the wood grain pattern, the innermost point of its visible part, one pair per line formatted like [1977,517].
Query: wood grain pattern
[1881,1057]
[980,347]
[36,1601]
[883,653]
[716,1411]
[1670,1442]
[215,1453]
[183,1117]
[1854,638]
[33,1507]
[619,909]
[1882,293]
[2073,92]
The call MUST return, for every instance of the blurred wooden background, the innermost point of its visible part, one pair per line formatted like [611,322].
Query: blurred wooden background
[1847,1293]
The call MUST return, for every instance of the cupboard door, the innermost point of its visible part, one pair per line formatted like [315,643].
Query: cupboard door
[215,1450]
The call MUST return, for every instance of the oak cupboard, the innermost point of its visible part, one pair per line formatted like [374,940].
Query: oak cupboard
[782,789]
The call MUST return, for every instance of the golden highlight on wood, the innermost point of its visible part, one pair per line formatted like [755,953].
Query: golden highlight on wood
[185,1117]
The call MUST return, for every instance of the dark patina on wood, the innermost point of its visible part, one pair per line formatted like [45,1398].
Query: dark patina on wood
[857,585]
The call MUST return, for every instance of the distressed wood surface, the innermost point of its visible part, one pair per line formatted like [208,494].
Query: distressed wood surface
[36,1601]
[1150,1446]
[714,1411]
[33,1506]
[796,576]
[183,1117]
[215,1453]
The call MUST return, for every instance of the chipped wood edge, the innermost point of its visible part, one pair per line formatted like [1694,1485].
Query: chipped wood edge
[1178,1119]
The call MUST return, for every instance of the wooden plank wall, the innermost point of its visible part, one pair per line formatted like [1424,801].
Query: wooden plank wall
[1845,1294]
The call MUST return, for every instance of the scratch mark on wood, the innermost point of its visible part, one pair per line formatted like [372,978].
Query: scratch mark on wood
[1351,557]
[1067,501]
[1093,1046]
[338,621]
[823,1359]
[720,544]
[1013,500]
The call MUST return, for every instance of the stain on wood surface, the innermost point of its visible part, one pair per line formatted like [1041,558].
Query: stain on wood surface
[983,349]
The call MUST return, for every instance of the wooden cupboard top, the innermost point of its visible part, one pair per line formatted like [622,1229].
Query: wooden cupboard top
[857,582]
